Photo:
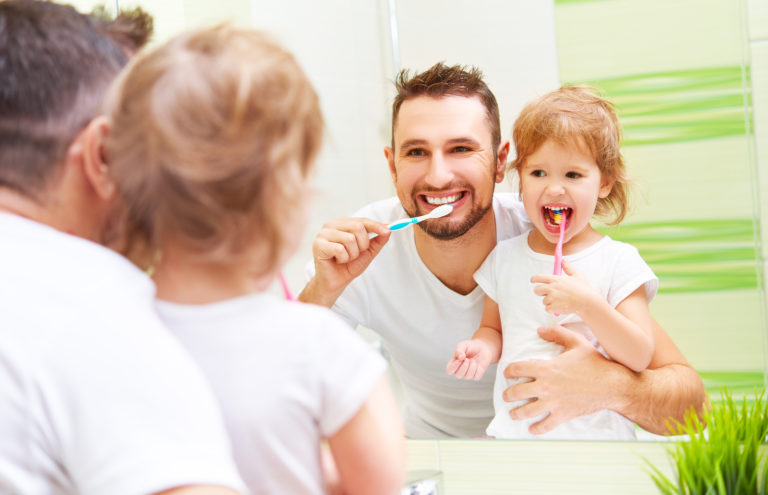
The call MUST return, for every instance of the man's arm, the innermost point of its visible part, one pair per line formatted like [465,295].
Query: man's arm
[581,381]
[342,251]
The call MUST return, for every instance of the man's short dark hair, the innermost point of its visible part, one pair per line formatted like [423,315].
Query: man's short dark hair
[55,67]
[443,80]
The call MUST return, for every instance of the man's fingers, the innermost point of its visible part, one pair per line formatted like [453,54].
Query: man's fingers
[561,335]
[327,250]
[531,409]
[546,425]
[344,239]
[523,369]
[521,391]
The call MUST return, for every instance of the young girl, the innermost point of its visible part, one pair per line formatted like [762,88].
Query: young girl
[213,140]
[568,161]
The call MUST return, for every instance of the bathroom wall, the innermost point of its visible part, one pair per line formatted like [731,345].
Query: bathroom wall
[682,73]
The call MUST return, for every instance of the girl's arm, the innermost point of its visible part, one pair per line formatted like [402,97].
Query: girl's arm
[369,451]
[472,357]
[625,332]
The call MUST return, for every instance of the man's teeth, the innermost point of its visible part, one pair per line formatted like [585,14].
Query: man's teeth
[443,199]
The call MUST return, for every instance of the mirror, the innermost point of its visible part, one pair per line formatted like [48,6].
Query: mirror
[690,81]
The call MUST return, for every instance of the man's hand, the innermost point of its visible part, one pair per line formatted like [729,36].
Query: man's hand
[342,251]
[568,386]
[470,360]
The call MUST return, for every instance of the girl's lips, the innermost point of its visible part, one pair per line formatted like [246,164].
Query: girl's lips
[548,217]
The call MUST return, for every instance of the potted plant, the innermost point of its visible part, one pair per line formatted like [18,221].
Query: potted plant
[728,456]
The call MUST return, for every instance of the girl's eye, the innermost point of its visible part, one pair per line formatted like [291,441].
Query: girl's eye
[573,175]
[538,173]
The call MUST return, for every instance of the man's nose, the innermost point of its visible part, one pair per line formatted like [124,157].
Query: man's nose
[440,172]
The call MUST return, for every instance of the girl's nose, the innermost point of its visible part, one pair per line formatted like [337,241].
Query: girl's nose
[555,188]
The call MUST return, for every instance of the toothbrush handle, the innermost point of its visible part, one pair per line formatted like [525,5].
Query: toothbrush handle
[402,223]
[559,251]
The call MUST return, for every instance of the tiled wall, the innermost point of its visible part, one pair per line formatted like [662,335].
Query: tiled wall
[682,76]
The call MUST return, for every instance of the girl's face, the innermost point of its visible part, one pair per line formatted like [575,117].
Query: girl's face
[566,177]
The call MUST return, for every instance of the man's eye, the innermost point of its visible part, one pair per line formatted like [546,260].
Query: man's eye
[573,175]
[538,173]
[460,149]
[416,152]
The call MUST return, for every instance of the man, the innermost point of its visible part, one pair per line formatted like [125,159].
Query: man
[95,396]
[416,290]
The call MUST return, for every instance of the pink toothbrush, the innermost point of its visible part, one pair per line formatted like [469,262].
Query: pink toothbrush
[286,290]
[560,220]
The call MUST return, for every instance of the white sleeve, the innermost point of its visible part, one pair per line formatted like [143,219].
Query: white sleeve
[136,416]
[348,369]
[631,272]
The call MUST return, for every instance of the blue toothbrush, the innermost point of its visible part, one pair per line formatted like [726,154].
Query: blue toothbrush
[438,212]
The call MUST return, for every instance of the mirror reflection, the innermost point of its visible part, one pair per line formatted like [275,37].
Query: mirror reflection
[686,89]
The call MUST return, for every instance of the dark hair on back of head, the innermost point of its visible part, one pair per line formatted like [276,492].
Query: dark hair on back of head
[56,65]
[131,28]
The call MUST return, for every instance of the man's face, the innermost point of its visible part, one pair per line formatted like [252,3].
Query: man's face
[443,154]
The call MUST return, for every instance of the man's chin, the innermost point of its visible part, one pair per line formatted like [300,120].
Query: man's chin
[448,231]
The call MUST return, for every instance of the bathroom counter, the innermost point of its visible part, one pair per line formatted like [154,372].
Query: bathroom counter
[489,467]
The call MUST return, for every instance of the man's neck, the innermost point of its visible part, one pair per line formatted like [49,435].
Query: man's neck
[18,204]
[454,262]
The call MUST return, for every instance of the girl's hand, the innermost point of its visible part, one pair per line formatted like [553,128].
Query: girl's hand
[470,360]
[569,293]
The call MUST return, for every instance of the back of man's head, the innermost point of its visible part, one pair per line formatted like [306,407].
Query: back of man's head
[55,67]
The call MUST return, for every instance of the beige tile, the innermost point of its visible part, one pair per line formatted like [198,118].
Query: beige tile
[757,13]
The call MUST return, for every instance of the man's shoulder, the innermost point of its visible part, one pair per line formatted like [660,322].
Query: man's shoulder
[33,250]
[511,219]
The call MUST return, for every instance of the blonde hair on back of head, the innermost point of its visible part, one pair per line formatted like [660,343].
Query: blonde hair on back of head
[213,136]
[577,115]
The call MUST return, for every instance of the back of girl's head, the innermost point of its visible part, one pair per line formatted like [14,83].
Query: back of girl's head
[213,137]
[577,116]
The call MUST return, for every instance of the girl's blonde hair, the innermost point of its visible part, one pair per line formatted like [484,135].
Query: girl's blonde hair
[577,115]
[213,136]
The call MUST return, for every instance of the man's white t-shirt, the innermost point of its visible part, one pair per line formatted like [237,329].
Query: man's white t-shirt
[614,270]
[96,396]
[287,375]
[420,321]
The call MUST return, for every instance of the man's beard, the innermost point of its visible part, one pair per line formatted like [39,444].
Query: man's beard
[445,230]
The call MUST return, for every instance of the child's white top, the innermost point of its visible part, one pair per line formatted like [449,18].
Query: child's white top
[286,374]
[614,269]
[96,396]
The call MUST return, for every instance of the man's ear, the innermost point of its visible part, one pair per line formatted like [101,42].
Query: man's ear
[94,158]
[501,162]
[389,153]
